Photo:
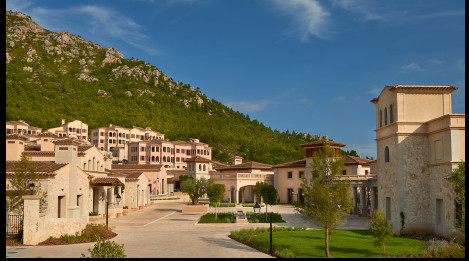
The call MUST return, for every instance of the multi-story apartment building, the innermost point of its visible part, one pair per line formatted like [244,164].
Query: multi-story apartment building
[172,154]
[21,127]
[72,129]
[108,138]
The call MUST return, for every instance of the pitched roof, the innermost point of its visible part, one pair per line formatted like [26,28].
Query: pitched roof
[84,147]
[249,165]
[133,176]
[32,147]
[107,181]
[43,168]
[292,164]
[321,143]
[39,153]
[67,142]
[197,159]
[352,160]
[177,171]
[16,137]
[154,167]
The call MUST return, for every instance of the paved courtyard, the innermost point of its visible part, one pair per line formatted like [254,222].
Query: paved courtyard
[162,230]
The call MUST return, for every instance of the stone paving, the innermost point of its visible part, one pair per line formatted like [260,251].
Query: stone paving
[162,230]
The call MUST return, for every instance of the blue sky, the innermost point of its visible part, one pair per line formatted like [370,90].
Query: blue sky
[305,65]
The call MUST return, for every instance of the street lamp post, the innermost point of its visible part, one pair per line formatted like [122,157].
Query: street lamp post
[270,248]
[257,208]
[118,200]
[31,188]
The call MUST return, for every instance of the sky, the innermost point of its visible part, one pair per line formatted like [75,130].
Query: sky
[306,65]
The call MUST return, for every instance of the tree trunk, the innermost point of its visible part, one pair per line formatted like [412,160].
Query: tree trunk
[265,212]
[216,210]
[327,241]
[384,247]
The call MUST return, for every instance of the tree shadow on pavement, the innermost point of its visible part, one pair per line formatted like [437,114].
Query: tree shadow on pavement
[227,243]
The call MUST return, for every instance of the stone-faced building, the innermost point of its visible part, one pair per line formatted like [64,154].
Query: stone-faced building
[419,141]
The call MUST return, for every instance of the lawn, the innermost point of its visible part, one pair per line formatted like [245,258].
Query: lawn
[227,217]
[342,244]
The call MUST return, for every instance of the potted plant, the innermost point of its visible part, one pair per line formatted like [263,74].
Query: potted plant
[125,210]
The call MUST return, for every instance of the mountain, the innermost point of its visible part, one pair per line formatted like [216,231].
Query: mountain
[56,75]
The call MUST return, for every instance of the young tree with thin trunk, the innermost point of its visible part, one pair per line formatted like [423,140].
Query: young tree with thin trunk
[215,193]
[25,174]
[380,228]
[326,193]
[269,194]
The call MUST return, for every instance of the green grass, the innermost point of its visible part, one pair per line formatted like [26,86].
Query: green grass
[223,217]
[344,243]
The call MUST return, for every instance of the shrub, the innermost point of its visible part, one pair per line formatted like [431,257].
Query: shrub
[106,249]
[88,234]
[125,207]
[93,214]
[442,249]
[284,253]
[223,217]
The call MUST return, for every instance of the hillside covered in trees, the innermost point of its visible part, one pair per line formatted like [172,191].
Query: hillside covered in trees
[55,75]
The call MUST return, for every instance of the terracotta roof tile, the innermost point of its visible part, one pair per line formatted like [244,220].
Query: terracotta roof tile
[352,160]
[42,167]
[292,164]
[107,181]
[16,137]
[197,159]
[39,153]
[249,165]
[177,171]
[155,167]
[133,176]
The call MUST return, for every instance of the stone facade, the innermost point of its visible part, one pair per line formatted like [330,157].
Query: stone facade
[419,142]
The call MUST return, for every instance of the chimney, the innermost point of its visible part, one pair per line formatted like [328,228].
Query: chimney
[236,160]
[66,151]
[63,122]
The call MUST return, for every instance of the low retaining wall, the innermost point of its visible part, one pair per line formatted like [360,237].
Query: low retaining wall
[195,209]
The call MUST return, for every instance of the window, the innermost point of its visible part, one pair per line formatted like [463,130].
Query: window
[385,116]
[380,118]
[142,148]
[438,210]
[204,167]
[102,133]
[132,135]
[290,174]
[164,149]
[142,158]
[386,154]
[344,172]
[388,208]
[200,167]
[391,118]
[366,172]
[301,174]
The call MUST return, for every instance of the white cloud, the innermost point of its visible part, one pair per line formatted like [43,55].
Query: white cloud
[436,62]
[339,98]
[244,106]
[363,8]
[309,18]
[375,91]
[411,67]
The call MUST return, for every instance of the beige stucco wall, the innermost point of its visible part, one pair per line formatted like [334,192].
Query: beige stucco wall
[14,148]
[284,183]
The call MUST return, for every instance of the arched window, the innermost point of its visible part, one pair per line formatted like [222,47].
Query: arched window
[380,118]
[390,114]
[386,154]
[164,158]
[200,167]
[84,165]
[153,158]
[204,167]
[385,116]
[157,159]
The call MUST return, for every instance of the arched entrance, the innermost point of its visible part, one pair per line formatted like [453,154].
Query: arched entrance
[233,195]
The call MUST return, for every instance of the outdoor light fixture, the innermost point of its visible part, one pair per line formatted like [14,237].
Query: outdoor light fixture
[31,187]
[118,198]
[257,208]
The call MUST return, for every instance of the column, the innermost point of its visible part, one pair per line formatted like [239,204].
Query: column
[355,198]
[237,196]
[31,233]
[363,200]
[372,199]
